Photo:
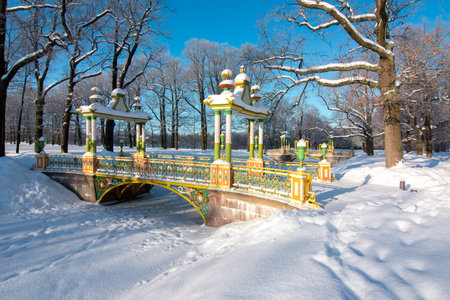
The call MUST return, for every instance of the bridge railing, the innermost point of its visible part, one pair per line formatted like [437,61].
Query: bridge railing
[113,165]
[189,171]
[163,167]
[311,168]
[65,162]
[263,180]
[292,185]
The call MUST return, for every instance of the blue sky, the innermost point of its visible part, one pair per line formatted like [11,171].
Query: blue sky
[235,21]
[231,21]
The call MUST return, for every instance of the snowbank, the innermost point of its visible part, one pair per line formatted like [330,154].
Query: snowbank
[371,241]
[27,192]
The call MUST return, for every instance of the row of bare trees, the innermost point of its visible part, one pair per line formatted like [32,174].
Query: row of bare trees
[373,88]
[366,72]
[71,41]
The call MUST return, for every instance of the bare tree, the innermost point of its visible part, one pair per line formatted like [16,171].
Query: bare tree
[356,110]
[196,53]
[19,118]
[206,62]
[158,84]
[85,45]
[356,27]
[134,23]
[424,65]
[9,65]
[176,76]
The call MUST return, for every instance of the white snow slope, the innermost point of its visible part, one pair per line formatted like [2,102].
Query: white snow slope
[371,241]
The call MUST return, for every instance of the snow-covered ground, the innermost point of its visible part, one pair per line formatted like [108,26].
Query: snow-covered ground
[371,241]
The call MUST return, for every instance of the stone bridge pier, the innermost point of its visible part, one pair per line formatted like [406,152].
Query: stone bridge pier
[232,206]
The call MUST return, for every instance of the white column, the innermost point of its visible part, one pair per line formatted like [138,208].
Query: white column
[93,129]
[93,137]
[138,134]
[252,138]
[88,128]
[88,132]
[261,140]
[228,129]
[217,128]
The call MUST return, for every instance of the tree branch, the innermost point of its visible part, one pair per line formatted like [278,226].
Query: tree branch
[348,26]
[336,82]
[357,65]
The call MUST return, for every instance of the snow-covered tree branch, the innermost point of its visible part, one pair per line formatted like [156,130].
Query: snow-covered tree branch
[370,32]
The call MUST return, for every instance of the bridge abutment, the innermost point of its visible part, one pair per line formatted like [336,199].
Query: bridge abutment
[231,206]
[82,185]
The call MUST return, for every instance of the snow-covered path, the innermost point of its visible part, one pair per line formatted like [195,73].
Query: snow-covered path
[90,251]
[372,241]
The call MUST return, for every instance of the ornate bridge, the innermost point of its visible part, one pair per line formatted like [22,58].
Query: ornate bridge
[222,189]
[196,179]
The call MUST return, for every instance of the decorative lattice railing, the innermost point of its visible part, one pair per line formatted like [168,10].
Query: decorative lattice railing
[275,181]
[65,162]
[263,180]
[181,157]
[311,168]
[188,171]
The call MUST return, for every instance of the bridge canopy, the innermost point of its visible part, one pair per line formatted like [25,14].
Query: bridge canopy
[117,109]
[243,101]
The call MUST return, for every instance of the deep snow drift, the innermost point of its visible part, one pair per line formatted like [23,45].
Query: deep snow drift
[371,241]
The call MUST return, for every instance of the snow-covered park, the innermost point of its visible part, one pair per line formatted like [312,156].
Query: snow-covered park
[372,240]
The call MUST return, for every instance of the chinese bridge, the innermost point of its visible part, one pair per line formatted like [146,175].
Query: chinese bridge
[221,189]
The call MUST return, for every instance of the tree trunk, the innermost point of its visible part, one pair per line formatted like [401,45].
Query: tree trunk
[427,133]
[176,124]
[3,83]
[78,130]
[162,117]
[53,129]
[204,129]
[66,118]
[102,132]
[409,142]
[3,95]
[418,135]
[19,121]
[130,136]
[391,113]
[109,135]
[39,118]
[369,148]
[172,137]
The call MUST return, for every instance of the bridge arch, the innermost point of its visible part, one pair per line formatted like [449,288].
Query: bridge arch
[172,189]
[123,191]
[197,196]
